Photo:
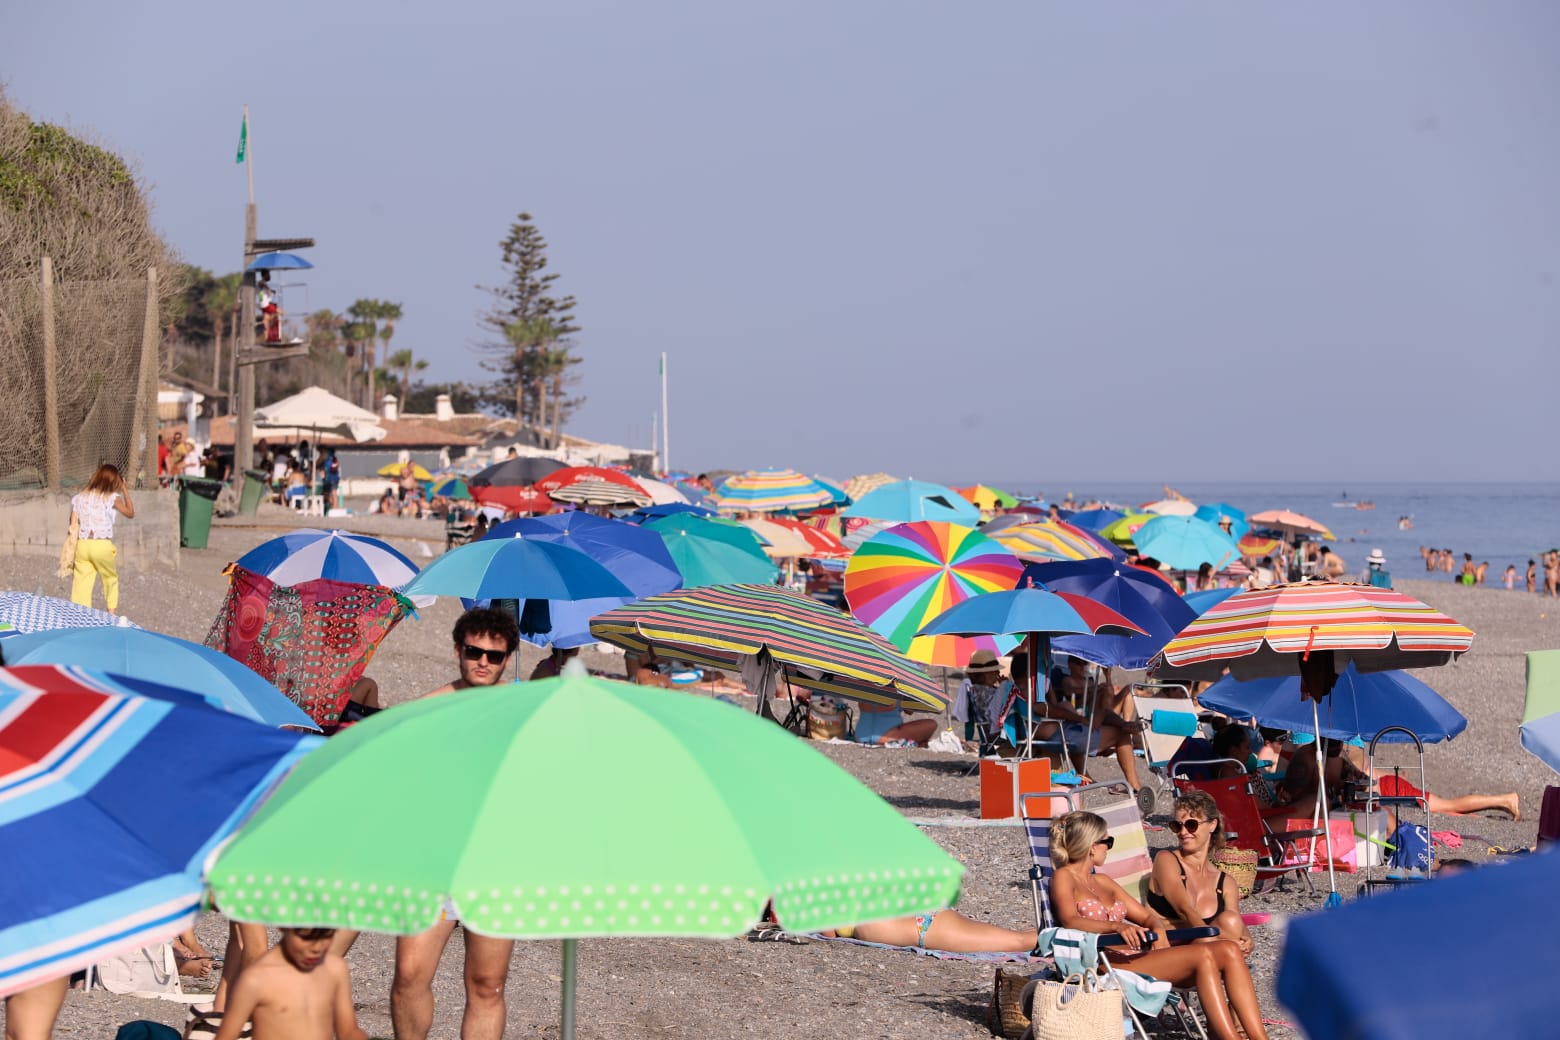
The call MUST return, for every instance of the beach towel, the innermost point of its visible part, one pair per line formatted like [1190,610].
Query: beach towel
[1069,946]
[996,957]
[312,640]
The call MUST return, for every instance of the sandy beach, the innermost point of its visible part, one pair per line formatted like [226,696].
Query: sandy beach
[805,988]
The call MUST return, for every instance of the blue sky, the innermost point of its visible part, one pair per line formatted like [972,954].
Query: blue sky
[957,241]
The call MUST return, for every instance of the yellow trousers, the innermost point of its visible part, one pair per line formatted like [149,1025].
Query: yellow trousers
[95,558]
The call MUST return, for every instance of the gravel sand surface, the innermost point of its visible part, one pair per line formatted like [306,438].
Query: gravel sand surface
[674,988]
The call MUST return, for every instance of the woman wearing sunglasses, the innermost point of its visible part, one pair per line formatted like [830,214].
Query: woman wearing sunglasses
[1089,901]
[1187,888]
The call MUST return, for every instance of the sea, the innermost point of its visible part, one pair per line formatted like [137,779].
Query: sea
[1503,523]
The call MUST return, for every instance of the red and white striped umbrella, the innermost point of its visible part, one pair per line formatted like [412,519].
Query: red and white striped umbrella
[1270,631]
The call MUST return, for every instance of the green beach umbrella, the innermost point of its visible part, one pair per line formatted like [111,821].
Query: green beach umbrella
[523,854]
[709,552]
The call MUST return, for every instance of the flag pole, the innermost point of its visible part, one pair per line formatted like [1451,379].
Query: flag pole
[666,431]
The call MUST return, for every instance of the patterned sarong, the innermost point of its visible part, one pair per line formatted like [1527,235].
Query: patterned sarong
[312,640]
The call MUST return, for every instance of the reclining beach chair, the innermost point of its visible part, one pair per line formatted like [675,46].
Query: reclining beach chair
[1168,723]
[1128,864]
[1245,827]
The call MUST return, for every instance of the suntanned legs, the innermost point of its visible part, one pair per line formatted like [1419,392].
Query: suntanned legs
[1222,979]
[416,962]
[30,1014]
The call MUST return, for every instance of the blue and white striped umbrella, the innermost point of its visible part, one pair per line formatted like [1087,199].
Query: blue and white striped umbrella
[26,612]
[107,819]
[306,554]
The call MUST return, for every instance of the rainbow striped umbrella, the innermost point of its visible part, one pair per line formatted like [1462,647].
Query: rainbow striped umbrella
[1255,545]
[1269,632]
[987,499]
[770,491]
[909,574]
[820,648]
[1121,531]
[1048,540]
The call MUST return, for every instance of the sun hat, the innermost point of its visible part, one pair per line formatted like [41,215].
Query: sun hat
[982,661]
[1376,557]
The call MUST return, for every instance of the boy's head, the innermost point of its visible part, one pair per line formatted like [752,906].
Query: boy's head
[305,948]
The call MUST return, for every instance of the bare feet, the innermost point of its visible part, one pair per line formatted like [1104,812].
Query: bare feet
[1513,806]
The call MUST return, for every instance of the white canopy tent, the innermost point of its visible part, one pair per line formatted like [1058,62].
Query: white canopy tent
[313,411]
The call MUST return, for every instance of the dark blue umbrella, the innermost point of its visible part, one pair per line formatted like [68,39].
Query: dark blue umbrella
[637,557]
[639,516]
[1148,602]
[1360,705]
[1407,993]
[279,262]
[1094,519]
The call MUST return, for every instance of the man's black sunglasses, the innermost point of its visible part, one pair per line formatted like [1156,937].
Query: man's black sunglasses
[477,653]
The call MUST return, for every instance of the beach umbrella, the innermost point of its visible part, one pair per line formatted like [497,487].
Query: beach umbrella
[708,552]
[516,568]
[1316,630]
[818,648]
[838,497]
[644,513]
[26,612]
[1170,507]
[1406,995]
[860,484]
[315,410]
[454,488]
[308,553]
[1034,613]
[660,492]
[770,491]
[1541,711]
[393,469]
[1042,540]
[469,767]
[636,557]
[112,804]
[1201,602]
[154,657]
[522,471]
[1142,598]
[592,492]
[279,262]
[1121,531]
[909,501]
[1360,706]
[910,573]
[785,537]
[510,497]
[559,480]
[1094,519]
[1290,523]
[1185,543]
[1257,546]
[1217,513]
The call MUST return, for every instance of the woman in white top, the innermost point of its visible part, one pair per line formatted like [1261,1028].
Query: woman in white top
[93,512]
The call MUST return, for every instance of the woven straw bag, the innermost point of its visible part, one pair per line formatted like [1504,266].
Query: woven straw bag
[68,550]
[1005,1017]
[1057,1012]
[826,719]
[1240,864]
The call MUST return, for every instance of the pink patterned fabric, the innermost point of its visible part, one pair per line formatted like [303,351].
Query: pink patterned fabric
[313,639]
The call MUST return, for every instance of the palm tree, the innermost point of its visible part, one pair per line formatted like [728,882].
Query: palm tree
[358,335]
[389,313]
[221,299]
[403,362]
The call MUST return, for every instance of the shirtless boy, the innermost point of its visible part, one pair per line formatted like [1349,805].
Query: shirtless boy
[297,991]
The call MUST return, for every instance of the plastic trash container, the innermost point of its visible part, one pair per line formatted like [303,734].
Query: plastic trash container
[196,500]
[256,483]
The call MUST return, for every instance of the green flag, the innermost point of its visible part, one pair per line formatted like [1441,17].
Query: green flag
[243,140]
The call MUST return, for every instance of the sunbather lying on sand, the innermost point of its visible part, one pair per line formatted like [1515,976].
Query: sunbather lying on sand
[1298,788]
[942,930]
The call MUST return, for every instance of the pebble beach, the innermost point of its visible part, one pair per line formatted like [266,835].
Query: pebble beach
[799,987]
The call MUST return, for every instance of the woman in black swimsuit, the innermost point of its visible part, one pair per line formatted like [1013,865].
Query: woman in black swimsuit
[1186,888]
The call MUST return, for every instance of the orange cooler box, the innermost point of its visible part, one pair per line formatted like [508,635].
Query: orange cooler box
[1002,780]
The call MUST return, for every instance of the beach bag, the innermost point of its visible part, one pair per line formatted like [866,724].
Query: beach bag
[826,719]
[1240,864]
[1058,1011]
[144,1030]
[68,550]
[1005,1017]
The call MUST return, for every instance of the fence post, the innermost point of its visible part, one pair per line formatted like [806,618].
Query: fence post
[51,390]
[143,429]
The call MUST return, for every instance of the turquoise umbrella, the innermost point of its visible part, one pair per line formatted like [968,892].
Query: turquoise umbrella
[1186,543]
[908,501]
[708,552]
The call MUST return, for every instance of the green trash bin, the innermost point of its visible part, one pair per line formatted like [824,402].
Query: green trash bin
[256,483]
[197,498]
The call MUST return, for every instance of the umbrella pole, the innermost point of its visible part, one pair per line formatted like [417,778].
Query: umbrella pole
[566,1018]
[1333,899]
[1029,706]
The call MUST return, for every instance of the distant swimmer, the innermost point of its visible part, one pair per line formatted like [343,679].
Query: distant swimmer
[1509,579]
[1405,522]
[1532,577]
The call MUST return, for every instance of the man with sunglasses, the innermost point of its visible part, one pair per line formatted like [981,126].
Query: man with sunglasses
[485,640]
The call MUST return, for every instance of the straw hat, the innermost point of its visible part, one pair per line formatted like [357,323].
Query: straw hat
[983,661]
